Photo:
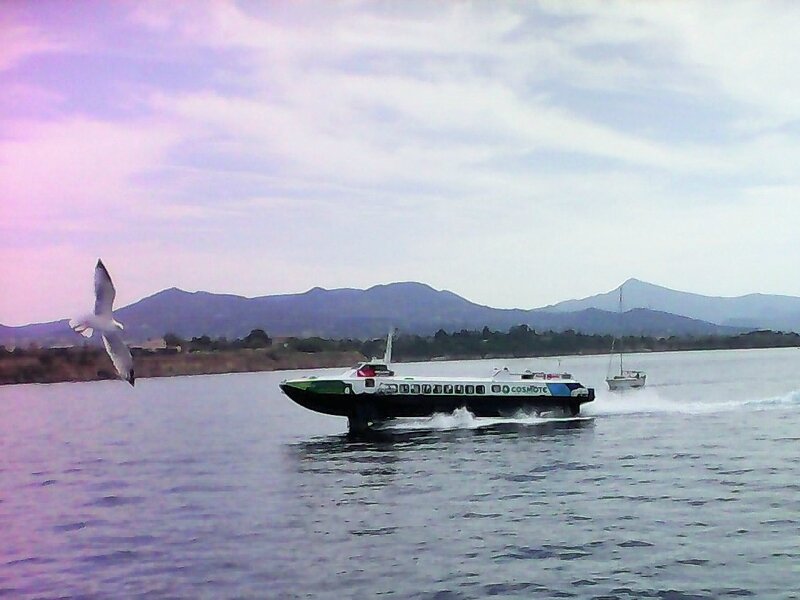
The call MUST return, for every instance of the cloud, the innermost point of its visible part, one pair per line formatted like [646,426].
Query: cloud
[448,97]
[746,52]
[268,147]
[77,172]
[21,42]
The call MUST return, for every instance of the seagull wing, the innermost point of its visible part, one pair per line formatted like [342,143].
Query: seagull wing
[104,291]
[120,355]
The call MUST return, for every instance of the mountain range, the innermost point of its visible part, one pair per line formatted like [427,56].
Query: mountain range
[647,309]
[753,311]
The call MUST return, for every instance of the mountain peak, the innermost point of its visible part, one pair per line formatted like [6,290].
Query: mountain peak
[173,292]
[399,285]
[316,290]
[633,282]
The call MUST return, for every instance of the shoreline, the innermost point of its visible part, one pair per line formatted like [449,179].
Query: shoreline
[75,365]
[92,364]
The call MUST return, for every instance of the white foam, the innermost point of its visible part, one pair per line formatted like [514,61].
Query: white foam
[776,401]
[644,402]
[461,418]
[649,401]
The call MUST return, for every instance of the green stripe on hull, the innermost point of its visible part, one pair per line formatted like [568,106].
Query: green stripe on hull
[320,386]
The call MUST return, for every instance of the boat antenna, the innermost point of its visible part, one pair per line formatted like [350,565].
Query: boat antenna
[387,357]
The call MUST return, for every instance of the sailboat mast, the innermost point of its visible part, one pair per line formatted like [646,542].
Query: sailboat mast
[620,329]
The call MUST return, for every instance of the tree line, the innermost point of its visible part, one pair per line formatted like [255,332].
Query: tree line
[522,341]
[518,341]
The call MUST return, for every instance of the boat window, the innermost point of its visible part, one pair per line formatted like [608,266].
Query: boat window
[479,389]
[459,389]
[496,389]
[470,389]
[506,389]
[426,389]
[369,382]
[404,388]
[448,389]
[389,388]
[415,388]
[437,389]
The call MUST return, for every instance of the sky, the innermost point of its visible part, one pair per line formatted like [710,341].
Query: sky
[515,153]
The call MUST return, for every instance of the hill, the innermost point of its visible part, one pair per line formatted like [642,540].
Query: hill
[341,313]
[752,311]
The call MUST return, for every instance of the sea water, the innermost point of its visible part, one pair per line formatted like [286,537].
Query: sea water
[221,487]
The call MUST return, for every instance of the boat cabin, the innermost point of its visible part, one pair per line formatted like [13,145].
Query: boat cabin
[372,369]
[505,373]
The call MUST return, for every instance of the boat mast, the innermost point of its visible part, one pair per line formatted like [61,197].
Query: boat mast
[387,356]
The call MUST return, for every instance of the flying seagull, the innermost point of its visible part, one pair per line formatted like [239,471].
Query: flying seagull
[103,321]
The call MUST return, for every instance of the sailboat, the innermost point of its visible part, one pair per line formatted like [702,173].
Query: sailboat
[625,379]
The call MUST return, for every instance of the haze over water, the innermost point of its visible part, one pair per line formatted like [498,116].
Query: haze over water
[219,486]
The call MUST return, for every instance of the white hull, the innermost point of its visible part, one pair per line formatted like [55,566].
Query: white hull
[619,383]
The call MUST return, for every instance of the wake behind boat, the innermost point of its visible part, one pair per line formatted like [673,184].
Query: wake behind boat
[371,393]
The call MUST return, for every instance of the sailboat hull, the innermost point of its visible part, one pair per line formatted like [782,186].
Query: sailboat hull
[619,383]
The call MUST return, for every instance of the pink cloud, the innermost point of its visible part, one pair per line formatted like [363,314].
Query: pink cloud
[78,171]
[21,42]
